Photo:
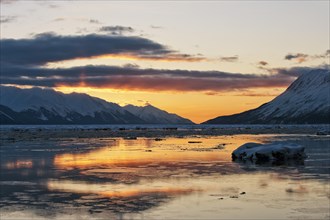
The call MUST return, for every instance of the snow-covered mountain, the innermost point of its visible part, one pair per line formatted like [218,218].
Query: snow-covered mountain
[155,115]
[306,101]
[46,106]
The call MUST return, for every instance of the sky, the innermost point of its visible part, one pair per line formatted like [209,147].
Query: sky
[198,59]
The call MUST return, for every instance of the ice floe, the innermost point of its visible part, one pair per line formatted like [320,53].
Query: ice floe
[265,152]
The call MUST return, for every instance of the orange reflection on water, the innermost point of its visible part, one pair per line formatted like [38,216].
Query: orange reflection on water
[145,151]
[118,190]
[19,164]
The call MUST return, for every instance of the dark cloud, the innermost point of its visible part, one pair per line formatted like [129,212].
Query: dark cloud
[263,63]
[299,57]
[139,79]
[9,70]
[7,19]
[117,30]
[229,59]
[49,47]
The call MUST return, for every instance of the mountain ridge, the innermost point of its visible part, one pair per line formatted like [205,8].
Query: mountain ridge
[305,101]
[47,106]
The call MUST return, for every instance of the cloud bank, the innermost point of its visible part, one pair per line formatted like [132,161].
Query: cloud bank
[129,78]
[49,47]
[23,63]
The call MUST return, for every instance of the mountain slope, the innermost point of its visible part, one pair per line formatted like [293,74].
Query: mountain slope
[306,101]
[46,106]
[153,115]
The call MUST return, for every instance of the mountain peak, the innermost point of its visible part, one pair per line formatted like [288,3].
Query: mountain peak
[155,115]
[314,78]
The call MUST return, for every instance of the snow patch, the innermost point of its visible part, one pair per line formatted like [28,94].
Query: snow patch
[43,117]
[1,112]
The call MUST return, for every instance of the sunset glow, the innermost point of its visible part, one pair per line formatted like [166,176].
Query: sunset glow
[220,103]
[199,67]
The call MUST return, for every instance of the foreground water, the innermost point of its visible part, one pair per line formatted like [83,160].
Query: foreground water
[172,178]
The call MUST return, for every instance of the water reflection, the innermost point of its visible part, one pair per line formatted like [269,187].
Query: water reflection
[19,164]
[170,178]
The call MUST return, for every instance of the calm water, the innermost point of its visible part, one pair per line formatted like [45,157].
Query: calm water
[161,179]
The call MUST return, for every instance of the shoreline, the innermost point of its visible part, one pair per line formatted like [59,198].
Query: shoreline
[35,133]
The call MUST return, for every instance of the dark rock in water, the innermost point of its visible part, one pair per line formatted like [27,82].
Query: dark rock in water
[220,146]
[269,152]
[130,138]
[194,142]
[170,128]
[323,133]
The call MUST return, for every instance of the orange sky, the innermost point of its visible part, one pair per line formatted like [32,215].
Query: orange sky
[196,106]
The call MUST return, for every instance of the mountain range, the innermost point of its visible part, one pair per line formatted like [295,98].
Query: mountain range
[305,101]
[47,106]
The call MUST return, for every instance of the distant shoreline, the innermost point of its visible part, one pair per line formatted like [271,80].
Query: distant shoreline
[53,132]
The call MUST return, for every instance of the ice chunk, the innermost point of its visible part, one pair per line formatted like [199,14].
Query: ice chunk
[264,152]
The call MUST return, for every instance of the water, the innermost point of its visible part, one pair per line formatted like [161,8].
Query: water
[114,178]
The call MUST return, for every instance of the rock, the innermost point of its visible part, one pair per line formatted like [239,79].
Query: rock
[242,193]
[266,152]
[130,138]
[194,142]
[220,146]
[323,132]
